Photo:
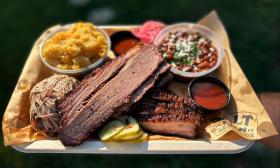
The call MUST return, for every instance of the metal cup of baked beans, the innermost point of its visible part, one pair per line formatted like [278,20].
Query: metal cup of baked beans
[193,50]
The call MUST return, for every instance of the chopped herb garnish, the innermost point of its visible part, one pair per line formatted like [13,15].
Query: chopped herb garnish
[189,51]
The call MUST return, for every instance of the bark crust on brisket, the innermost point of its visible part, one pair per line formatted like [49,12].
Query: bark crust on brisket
[164,113]
[114,87]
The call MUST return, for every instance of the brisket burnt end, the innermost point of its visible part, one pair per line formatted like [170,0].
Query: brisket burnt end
[162,112]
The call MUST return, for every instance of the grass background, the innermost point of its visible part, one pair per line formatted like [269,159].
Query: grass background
[253,27]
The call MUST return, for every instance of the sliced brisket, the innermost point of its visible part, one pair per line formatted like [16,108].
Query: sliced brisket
[91,84]
[164,113]
[112,88]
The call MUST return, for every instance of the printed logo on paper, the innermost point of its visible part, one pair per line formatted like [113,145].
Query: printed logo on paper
[243,123]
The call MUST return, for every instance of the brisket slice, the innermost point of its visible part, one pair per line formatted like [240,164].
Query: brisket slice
[117,93]
[91,84]
[164,113]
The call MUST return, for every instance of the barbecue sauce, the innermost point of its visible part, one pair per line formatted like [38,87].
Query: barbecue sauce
[125,44]
[209,95]
[122,41]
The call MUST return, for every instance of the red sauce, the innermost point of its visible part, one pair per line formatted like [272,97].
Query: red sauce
[125,44]
[209,95]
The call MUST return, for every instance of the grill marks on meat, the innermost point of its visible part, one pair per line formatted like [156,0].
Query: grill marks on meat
[110,89]
[164,113]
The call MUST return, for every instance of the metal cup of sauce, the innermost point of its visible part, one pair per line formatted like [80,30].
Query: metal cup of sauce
[122,41]
[210,93]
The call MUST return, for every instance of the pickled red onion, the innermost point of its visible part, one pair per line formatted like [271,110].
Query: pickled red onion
[148,31]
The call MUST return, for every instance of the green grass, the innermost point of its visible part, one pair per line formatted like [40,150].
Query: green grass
[253,28]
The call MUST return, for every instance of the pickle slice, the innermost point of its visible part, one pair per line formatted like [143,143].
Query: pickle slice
[111,129]
[129,137]
[143,138]
[131,129]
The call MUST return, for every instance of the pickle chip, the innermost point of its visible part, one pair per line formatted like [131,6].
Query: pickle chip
[131,128]
[129,137]
[143,138]
[111,129]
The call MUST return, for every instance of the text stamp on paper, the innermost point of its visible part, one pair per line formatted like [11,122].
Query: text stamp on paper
[243,123]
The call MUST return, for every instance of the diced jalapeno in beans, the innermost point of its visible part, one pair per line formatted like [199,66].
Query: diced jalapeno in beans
[188,51]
